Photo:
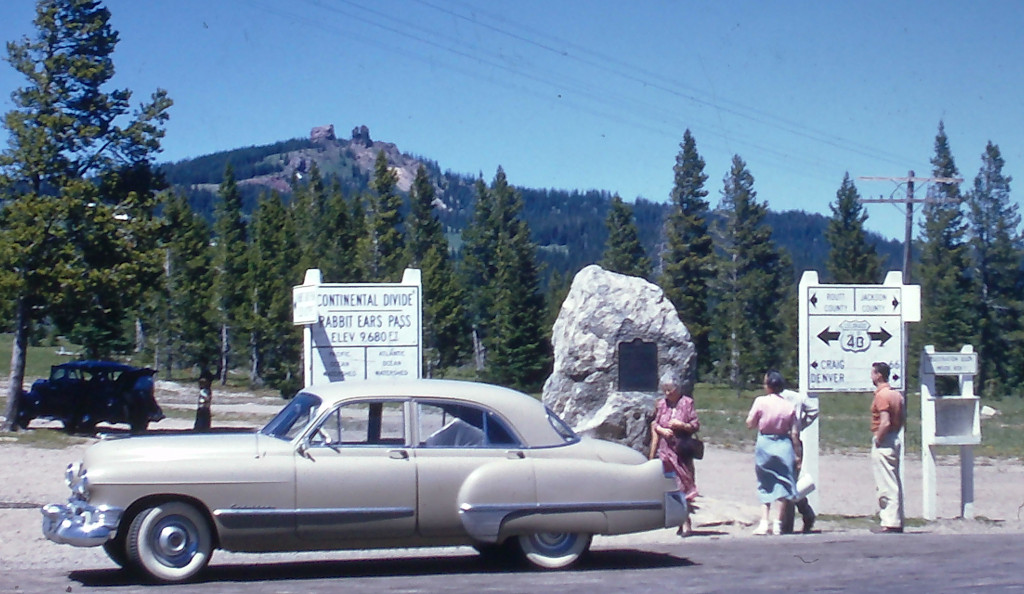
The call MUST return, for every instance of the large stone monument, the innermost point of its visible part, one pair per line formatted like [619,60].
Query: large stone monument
[614,337]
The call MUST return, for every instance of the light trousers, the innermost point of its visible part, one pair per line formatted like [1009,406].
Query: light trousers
[885,461]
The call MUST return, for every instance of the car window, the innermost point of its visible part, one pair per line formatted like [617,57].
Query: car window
[364,423]
[449,425]
[563,429]
[293,418]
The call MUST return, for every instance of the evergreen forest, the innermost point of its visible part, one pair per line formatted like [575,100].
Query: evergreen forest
[189,265]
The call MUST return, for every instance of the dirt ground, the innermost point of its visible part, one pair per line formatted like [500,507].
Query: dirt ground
[31,477]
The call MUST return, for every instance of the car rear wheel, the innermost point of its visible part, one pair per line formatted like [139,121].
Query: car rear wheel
[171,542]
[553,550]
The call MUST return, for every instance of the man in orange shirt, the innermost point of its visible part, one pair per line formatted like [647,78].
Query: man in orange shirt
[886,421]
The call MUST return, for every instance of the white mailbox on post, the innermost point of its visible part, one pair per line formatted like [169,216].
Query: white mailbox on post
[951,419]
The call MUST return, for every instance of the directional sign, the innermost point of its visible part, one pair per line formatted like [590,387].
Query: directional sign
[846,328]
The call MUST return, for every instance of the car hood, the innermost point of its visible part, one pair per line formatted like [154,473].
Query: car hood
[125,456]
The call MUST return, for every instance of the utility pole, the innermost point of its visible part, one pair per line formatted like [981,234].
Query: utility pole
[909,201]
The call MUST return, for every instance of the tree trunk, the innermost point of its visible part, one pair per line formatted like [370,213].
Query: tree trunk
[223,354]
[17,377]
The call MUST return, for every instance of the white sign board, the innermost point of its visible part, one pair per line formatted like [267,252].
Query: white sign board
[368,331]
[846,328]
[949,363]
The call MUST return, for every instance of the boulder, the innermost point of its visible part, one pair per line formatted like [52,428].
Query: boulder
[322,134]
[602,311]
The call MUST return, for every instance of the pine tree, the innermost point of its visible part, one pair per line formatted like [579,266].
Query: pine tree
[346,228]
[623,252]
[688,262]
[518,353]
[230,263]
[388,258]
[274,353]
[851,259]
[478,271]
[190,327]
[76,181]
[996,244]
[753,285]
[309,213]
[445,322]
[944,264]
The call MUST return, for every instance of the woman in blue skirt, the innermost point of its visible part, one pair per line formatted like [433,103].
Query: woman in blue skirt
[778,450]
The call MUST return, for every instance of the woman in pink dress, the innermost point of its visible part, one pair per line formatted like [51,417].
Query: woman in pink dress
[674,417]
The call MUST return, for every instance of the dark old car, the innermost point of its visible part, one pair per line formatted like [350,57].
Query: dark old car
[81,394]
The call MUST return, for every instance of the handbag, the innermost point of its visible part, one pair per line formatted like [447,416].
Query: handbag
[690,446]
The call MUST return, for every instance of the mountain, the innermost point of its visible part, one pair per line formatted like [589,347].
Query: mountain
[568,226]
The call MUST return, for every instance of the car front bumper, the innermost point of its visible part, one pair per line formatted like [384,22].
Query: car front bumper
[79,524]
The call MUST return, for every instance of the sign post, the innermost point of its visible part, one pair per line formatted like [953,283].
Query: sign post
[355,332]
[846,328]
[949,420]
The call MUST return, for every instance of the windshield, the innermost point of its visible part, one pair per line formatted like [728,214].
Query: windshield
[293,418]
[563,429]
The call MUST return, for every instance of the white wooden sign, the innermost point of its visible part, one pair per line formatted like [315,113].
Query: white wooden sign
[360,331]
[846,328]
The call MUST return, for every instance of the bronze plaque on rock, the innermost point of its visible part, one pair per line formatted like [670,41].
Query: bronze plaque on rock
[638,366]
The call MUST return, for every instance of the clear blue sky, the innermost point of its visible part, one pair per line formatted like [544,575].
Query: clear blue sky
[591,94]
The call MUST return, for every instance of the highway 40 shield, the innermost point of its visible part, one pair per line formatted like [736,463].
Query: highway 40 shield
[854,336]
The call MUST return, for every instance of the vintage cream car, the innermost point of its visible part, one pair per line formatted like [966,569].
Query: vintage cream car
[360,465]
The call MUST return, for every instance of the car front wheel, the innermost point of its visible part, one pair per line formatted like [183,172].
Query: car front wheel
[553,550]
[171,542]
[115,549]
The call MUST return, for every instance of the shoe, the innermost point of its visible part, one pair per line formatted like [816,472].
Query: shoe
[762,529]
[776,528]
[809,522]
[887,529]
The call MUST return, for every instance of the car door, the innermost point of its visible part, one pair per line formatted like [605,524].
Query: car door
[355,478]
[453,440]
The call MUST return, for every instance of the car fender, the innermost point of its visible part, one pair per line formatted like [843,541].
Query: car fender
[562,495]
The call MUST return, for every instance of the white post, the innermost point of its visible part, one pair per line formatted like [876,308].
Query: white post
[810,438]
[967,451]
[967,482]
[928,496]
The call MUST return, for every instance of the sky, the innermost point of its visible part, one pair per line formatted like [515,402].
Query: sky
[581,95]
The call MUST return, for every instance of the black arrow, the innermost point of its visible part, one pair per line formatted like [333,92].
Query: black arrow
[827,337]
[895,303]
[814,300]
[882,336]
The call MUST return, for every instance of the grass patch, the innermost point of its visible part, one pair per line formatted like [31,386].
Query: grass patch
[38,359]
[845,422]
[53,439]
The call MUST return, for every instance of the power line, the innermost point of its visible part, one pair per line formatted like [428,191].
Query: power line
[909,200]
